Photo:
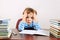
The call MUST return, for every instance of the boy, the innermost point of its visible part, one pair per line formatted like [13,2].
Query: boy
[29,21]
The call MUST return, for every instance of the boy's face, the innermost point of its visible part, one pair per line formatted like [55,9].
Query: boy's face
[29,18]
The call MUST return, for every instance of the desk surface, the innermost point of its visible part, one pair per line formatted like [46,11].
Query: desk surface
[18,36]
[27,37]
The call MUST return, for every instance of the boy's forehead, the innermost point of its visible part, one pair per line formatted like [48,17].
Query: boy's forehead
[31,14]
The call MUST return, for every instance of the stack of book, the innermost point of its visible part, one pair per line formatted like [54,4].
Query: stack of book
[4,33]
[55,28]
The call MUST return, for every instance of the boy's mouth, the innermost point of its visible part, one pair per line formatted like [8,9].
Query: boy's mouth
[29,22]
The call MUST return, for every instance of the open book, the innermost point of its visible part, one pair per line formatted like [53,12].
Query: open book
[38,32]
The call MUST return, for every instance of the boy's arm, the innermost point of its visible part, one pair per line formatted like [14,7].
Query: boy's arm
[35,18]
[24,17]
[21,26]
[37,26]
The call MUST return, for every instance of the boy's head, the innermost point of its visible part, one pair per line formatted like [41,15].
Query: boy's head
[30,14]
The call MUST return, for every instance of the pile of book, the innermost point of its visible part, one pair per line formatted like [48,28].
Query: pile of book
[55,28]
[4,28]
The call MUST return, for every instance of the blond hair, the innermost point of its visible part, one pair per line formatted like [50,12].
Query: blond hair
[29,10]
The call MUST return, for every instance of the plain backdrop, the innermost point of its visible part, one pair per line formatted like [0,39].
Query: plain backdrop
[46,9]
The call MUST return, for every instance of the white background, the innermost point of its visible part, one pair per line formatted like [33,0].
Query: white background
[47,9]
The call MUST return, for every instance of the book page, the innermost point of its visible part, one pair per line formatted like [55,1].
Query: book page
[28,32]
[42,32]
[39,32]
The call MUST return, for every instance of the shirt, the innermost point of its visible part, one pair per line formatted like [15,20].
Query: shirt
[23,25]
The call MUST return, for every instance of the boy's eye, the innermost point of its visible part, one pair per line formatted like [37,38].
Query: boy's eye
[27,17]
[32,17]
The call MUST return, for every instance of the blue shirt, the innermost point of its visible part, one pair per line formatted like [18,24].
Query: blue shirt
[23,25]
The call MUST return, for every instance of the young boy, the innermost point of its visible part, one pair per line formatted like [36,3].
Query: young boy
[29,21]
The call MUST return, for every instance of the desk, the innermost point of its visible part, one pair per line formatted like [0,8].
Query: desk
[18,36]
[27,37]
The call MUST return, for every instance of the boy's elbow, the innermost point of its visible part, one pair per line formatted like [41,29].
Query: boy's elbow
[38,28]
[19,29]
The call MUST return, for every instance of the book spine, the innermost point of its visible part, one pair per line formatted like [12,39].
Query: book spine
[56,32]
[55,21]
[51,27]
[57,36]
[55,26]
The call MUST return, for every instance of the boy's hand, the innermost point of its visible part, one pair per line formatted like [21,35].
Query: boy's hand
[35,18]
[24,16]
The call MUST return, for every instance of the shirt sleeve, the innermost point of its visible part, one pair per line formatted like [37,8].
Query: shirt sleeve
[37,26]
[21,26]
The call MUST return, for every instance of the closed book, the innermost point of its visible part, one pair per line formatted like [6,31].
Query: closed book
[54,31]
[55,22]
[3,33]
[2,27]
[53,38]
[55,26]
[57,36]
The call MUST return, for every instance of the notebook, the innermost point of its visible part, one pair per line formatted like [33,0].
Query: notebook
[38,32]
